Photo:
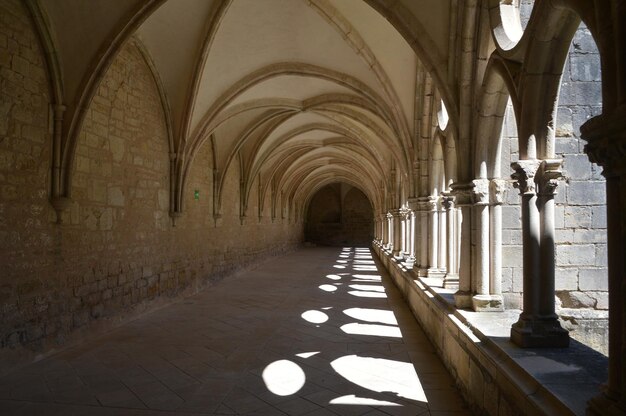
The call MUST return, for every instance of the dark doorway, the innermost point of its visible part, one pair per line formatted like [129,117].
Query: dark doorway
[339,214]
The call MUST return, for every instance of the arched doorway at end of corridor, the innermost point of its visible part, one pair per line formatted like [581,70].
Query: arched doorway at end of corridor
[339,214]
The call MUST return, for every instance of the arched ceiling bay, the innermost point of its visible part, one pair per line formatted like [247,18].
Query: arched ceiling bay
[256,80]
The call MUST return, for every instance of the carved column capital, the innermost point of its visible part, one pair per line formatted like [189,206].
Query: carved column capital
[524,175]
[448,201]
[414,204]
[480,191]
[547,177]
[462,193]
[606,141]
[396,213]
[497,191]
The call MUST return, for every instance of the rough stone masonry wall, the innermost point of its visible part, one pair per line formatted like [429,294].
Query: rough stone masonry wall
[117,253]
[581,275]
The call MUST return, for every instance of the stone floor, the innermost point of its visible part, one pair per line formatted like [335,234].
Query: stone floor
[316,332]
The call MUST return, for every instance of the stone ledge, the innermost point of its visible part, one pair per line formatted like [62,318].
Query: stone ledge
[495,376]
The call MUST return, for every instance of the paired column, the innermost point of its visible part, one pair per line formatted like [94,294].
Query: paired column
[486,285]
[463,197]
[606,146]
[424,208]
[434,248]
[451,280]
[386,231]
[413,232]
[396,222]
[538,325]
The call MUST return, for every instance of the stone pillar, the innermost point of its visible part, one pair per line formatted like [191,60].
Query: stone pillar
[396,220]
[442,261]
[451,280]
[533,329]
[413,207]
[606,146]
[433,237]
[386,231]
[406,230]
[497,190]
[423,235]
[480,283]
[462,193]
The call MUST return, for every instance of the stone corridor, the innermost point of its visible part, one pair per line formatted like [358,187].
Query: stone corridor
[321,331]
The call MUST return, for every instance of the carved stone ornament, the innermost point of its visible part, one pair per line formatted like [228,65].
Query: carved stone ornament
[480,191]
[462,193]
[524,175]
[497,191]
[547,177]
[606,141]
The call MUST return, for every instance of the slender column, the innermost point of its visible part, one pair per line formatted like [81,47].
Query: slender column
[606,146]
[533,329]
[442,262]
[386,239]
[433,235]
[405,233]
[462,193]
[413,213]
[396,220]
[423,235]
[481,301]
[497,189]
[451,280]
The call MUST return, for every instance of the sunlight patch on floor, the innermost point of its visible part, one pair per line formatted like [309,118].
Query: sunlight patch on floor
[283,377]
[381,375]
[372,329]
[372,315]
[314,317]
[363,401]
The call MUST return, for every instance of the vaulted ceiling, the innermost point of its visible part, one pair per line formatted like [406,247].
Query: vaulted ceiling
[302,92]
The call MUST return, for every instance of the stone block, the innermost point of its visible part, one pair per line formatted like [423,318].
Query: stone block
[601,256]
[583,43]
[593,279]
[566,278]
[585,68]
[511,217]
[589,236]
[564,124]
[512,256]
[577,167]
[576,299]
[116,196]
[566,145]
[577,216]
[575,254]
[585,193]
[598,217]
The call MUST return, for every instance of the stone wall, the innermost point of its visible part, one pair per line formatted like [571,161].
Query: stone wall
[581,275]
[117,253]
[340,214]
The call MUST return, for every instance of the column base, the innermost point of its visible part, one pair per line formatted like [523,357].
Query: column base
[462,299]
[487,303]
[410,262]
[603,405]
[422,272]
[398,255]
[432,272]
[451,281]
[539,333]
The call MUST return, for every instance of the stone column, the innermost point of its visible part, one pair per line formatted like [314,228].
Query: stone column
[480,283]
[442,261]
[423,235]
[497,192]
[396,220]
[385,222]
[606,146]
[533,329]
[406,221]
[451,280]
[413,207]
[433,236]
[462,193]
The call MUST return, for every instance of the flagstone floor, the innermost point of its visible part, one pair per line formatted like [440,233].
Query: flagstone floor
[316,332]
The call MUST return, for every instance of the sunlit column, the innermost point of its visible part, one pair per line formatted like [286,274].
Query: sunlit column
[433,235]
[452,278]
[413,232]
[606,146]
[462,193]
[442,262]
[497,195]
[396,217]
[533,329]
[480,286]
[423,235]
